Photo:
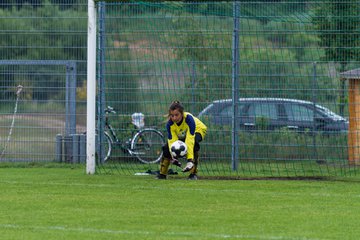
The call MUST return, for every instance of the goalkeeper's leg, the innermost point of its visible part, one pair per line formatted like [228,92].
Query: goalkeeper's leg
[164,163]
[194,170]
[164,166]
[196,163]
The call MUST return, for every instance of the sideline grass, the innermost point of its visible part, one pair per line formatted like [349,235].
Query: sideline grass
[63,203]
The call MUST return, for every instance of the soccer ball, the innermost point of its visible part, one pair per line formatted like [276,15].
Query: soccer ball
[178,149]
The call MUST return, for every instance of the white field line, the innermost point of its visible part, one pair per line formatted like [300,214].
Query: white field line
[174,188]
[149,233]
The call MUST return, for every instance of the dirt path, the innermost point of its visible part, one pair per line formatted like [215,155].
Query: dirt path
[43,120]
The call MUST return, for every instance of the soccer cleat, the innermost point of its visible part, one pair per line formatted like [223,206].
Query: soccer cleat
[160,176]
[192,176]
[176,162]
[188,166]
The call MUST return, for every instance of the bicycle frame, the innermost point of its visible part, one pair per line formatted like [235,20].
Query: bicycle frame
[116,141]
[126,146]
[145,143]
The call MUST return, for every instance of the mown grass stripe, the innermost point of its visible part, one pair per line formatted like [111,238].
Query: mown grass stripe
[148,233]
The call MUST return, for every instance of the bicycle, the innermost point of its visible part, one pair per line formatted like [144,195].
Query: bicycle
[145,143]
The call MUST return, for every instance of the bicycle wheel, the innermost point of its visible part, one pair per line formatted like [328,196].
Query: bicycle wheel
[147,144]
[106,147]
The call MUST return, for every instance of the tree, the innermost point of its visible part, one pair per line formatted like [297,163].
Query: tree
[338,27]
[40,37]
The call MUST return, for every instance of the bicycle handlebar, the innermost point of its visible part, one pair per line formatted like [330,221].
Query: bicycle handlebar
[109,109]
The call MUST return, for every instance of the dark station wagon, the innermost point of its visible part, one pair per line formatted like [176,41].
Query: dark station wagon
[275,113]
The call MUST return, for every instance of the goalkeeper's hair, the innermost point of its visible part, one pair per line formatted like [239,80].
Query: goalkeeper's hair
[176,105]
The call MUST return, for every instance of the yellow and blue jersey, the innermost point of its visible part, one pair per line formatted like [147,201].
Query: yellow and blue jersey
[185,131]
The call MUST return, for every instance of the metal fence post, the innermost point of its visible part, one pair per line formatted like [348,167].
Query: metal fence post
[235,87]
[67,140]
[75,148]
[314,99]
[58,148]
[82,148]
[101,82]
[70,95]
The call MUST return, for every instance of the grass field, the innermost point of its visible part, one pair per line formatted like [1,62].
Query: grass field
[65,203]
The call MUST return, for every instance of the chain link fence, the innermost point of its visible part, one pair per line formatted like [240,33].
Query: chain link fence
[43,49]
[275,83]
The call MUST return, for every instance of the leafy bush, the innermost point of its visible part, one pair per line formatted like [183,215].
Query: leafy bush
[277,145]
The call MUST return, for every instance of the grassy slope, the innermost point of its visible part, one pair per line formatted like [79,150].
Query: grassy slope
[55,203]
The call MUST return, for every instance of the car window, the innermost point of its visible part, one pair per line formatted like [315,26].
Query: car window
[296,112]
[227,110]
[266,110]
[328,113]
[206,110]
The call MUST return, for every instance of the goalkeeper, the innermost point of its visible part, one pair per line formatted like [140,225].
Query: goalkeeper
[187,128]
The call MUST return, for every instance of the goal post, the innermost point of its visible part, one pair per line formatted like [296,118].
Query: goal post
[91,89]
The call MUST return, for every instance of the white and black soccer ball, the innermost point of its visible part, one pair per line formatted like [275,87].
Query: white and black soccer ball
[178,149]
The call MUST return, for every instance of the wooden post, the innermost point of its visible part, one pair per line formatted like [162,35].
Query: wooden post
[353,76]
[354,122]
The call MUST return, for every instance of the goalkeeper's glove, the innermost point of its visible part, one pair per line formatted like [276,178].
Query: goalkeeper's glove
[189,166]
[176,162]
